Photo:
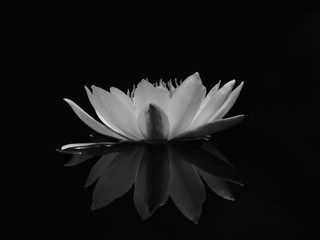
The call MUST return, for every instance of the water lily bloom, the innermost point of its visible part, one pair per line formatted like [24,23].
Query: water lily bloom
[161,112]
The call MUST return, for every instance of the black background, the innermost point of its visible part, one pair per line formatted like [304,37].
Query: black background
[52,51]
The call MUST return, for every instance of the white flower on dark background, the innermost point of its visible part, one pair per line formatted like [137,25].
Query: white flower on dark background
[161,112]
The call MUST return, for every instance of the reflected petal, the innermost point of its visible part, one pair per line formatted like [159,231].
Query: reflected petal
[212,127]
[77,159]
[186,188]
[92,123]
[153,123]
[117,179]
[185,103]
[217,185]
[99,168]
[213,165]
[151,186]
[215,152]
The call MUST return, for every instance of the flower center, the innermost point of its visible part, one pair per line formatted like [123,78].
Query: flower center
[153,123]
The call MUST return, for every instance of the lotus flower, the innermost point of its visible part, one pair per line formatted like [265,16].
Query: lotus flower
[161,112]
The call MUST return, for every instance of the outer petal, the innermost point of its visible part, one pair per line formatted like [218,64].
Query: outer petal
[92,123]
[224,109]
[186,188]
[146,93]
[117,112]
[153,123]
[212,127]
[83,145]
[213,104]
[101,113]
[211,93]
[185,103]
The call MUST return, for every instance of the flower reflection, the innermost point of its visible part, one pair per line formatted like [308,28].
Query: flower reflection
[157,172]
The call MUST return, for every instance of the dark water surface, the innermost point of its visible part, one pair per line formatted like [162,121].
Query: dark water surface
[51,52]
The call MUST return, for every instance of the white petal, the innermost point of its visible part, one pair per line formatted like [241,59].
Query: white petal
[162,96]
[153,123]
[92,123]
[117,112]
[101,113]
[80,145]
[185,103]
[213,104]
[146,93]
[224,109]
[212,127]
[211,93]
[122,97]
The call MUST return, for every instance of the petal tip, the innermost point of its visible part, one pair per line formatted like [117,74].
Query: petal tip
[232,82]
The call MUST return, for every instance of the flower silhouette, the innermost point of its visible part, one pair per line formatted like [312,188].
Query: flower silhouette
[161,112]
[157,172]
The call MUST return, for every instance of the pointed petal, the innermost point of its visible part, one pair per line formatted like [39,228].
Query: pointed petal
[80,146]
[99,167]
[124,98]
[185,103]
[212,127]
[214,103]
[117,112]
[186,188]
[77,159]
[207,146]
[211,93]
[212,164]
[146,93]
[224,109]
[100,113]
[92,123]
[153,123]
[151,186]
[217,185]
[117,179]
[162,96]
